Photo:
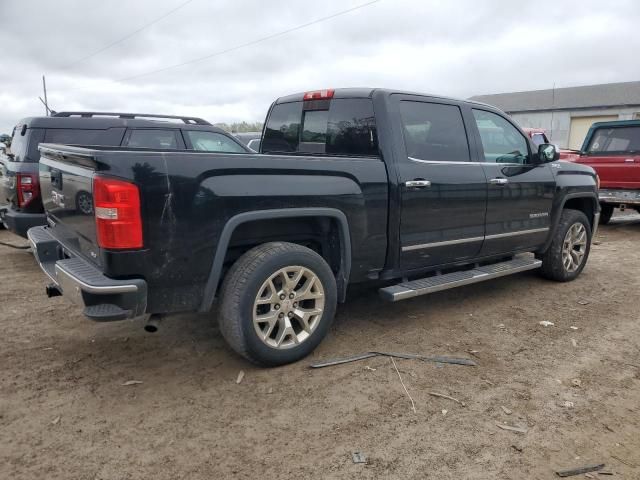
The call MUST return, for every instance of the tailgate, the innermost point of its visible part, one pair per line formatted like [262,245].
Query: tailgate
[615,171]
[66,180]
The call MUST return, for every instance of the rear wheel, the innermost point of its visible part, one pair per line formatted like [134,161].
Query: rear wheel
[606,213]
[277,303]
[567,255]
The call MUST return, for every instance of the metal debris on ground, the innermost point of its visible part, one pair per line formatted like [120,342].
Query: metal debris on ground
[406,356]
[240,376]
[579,470]
[435,394]
[512,429]
[546,323]
[358,457]
[131,382]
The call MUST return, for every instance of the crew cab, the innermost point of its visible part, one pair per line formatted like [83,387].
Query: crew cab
[20,201]
[612,149]
[415,193]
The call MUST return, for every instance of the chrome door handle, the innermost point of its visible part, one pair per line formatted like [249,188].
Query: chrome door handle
[498,181]
[417,183]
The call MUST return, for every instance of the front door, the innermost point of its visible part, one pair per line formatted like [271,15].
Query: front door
[443,192]
[520,193]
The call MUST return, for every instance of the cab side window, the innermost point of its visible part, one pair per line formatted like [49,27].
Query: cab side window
[434,131]
[153,138]
[501,141]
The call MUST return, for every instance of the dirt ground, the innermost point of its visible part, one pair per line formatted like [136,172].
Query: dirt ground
[65,413]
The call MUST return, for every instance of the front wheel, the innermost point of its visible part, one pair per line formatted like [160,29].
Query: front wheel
[567,255]
[277,303]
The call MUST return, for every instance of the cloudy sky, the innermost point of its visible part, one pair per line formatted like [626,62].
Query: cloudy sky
[456,48]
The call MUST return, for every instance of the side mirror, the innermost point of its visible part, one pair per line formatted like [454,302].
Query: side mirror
[547,152]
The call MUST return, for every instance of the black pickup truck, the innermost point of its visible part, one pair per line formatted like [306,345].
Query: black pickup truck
[417,193]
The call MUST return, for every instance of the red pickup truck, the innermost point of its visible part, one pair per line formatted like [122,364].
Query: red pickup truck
[539,136]
[612,149]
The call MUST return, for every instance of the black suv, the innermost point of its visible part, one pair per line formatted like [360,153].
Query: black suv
[20,199]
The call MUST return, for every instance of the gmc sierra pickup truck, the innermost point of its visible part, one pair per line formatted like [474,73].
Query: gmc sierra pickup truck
[417,193]
[612,149]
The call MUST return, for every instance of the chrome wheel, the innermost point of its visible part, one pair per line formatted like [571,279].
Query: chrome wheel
[288,307]
[574,247]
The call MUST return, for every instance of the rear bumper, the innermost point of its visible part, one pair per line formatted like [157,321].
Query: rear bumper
[619,197]
[102,298]
[18,222]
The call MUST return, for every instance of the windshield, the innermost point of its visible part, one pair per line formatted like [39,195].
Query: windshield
[618,139]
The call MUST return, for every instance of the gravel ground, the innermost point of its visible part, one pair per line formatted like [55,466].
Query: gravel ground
[65,413]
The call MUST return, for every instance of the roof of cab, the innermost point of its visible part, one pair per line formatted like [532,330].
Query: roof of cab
[369,92]
[616,123]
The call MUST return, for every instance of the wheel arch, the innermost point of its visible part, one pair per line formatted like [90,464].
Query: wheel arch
[232,225]
[586,202]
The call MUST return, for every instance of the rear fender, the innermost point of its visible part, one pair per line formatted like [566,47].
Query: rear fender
[342,277]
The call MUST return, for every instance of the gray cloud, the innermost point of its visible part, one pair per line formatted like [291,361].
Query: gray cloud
[457,48]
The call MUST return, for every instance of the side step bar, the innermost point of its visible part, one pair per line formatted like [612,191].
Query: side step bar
[437,283]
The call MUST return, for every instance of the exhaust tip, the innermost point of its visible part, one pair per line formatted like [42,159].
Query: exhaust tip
[153,324]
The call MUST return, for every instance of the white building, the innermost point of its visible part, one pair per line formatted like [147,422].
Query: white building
[567,113]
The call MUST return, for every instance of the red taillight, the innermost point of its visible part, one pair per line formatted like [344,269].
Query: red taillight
[319,95]
[28,188]
[117,211]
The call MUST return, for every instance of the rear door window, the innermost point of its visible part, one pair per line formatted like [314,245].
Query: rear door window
[434,131]
[70,136]
[155,138]
[212,142]
[344,126]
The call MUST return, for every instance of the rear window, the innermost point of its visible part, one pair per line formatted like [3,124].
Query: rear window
[619,139]
[538,139]
[24,147]
[69,136]
[344,126]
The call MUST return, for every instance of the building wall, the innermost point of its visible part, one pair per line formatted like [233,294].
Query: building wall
[558,124]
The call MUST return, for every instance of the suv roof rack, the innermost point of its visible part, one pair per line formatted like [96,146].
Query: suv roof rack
[187,120]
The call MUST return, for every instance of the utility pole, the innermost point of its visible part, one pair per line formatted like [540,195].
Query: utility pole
[46,103]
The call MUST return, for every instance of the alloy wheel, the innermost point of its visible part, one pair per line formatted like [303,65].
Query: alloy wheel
[288,307]
[574,247]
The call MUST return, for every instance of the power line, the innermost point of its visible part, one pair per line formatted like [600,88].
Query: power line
[250,43]
[127,37]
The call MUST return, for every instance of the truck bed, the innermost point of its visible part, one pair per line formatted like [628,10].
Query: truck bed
[187,198]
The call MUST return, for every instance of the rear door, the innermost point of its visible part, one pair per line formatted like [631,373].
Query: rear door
[614,153]
[520,193]
[443,192]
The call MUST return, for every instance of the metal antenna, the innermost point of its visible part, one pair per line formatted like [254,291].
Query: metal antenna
[553,106]
[46,103]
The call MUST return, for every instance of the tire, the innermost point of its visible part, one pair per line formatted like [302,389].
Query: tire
[554,262]
[283,338]
[606,213]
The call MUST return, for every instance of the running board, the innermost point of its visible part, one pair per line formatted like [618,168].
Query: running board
[437,283]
